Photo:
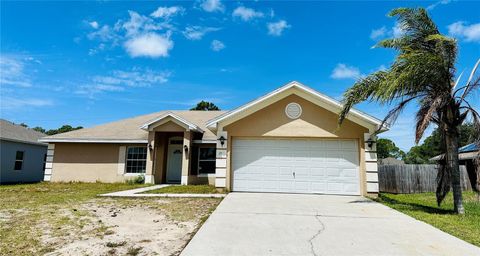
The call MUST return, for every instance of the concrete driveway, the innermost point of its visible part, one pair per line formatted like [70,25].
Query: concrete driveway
[294,224]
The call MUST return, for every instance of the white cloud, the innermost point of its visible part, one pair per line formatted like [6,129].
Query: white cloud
[469,33]
[167,12]
[212,6]
[434,5]
[93,24]
[246,14]
[139,24]
[118,81]
[342,71]
[398,30]
[378,33]
[103,34]
[133,78]
[277,28]
[15,103]
[149,45]
[12,72]
[197,32]
[217,45]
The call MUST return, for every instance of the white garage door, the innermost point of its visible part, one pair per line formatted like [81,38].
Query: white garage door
[296,166]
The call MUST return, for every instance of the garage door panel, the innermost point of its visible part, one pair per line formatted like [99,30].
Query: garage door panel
[296,166]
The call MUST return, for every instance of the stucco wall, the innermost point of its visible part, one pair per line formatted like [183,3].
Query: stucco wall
[33,160]
[87,162]
[315,122]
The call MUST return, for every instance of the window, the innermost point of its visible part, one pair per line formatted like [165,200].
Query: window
[136,159]
[19,161]
[206,160]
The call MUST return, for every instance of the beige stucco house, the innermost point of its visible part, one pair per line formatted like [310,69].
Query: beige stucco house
[285,141]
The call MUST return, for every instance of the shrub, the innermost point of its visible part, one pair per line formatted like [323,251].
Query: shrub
[140,179]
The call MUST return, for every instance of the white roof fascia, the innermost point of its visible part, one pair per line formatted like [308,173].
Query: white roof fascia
[59,140]
[353,112]
[186,123]
[24,142]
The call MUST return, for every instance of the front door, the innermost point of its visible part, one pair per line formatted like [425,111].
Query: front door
[174,160]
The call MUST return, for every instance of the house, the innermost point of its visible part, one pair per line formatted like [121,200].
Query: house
[285,141]
[466,156]
[22,157]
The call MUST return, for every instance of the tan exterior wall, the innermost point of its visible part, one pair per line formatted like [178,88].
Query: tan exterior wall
[315,122]
[87,162]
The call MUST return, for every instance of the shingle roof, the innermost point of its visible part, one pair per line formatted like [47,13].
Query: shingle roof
[14,132]
[130,128]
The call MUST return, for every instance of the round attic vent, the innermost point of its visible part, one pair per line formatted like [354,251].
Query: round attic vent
[293,110]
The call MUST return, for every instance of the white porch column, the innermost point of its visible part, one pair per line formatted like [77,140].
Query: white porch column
[149,177]
[187,141]
[221,161]
[371,164]
[47,176]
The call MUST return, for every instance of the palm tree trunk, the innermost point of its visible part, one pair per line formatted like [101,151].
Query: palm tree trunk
[451,157]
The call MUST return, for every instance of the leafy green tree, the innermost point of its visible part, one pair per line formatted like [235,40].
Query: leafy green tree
[39,129]
[205,106]
[387,148]
[432,146]
[423,72]
[63,129]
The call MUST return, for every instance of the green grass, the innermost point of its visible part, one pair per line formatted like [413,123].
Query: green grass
[185,189]
[423,207]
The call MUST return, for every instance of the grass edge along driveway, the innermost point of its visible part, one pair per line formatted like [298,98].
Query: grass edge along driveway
[423,207]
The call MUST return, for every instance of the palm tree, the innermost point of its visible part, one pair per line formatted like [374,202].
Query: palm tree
[423,72]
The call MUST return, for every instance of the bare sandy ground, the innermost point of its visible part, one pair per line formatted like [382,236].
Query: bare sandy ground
[126,230]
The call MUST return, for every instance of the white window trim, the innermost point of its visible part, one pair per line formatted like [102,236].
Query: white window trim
[198,163]
[23,159]
[125,173]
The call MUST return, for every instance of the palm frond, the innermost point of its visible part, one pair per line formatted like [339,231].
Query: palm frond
[426,114]
[360,91]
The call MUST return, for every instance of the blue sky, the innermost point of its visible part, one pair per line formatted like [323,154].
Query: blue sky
[87,63]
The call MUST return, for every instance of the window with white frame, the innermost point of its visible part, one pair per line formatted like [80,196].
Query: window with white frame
[136,160]
[19,160]
[206,160]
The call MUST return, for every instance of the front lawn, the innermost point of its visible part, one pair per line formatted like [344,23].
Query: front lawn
[69,219]
[423,207]
[185,189]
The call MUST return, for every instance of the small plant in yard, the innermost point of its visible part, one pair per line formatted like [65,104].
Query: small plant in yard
[116,244]
[132,251]
[140,179]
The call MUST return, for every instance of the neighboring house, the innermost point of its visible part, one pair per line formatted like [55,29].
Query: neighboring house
[466,156]
[22,157]
[285,141]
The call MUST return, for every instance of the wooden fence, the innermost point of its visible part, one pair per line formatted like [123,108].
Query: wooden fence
[413,178]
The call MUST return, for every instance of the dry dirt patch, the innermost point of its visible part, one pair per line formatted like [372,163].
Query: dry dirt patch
[69,219]
[132,227]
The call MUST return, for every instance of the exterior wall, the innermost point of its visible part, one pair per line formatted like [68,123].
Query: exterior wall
[33,162]
[90,162]
[315,122]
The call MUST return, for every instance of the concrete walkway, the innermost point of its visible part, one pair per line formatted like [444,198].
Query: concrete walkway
[138,192]
[293,224]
